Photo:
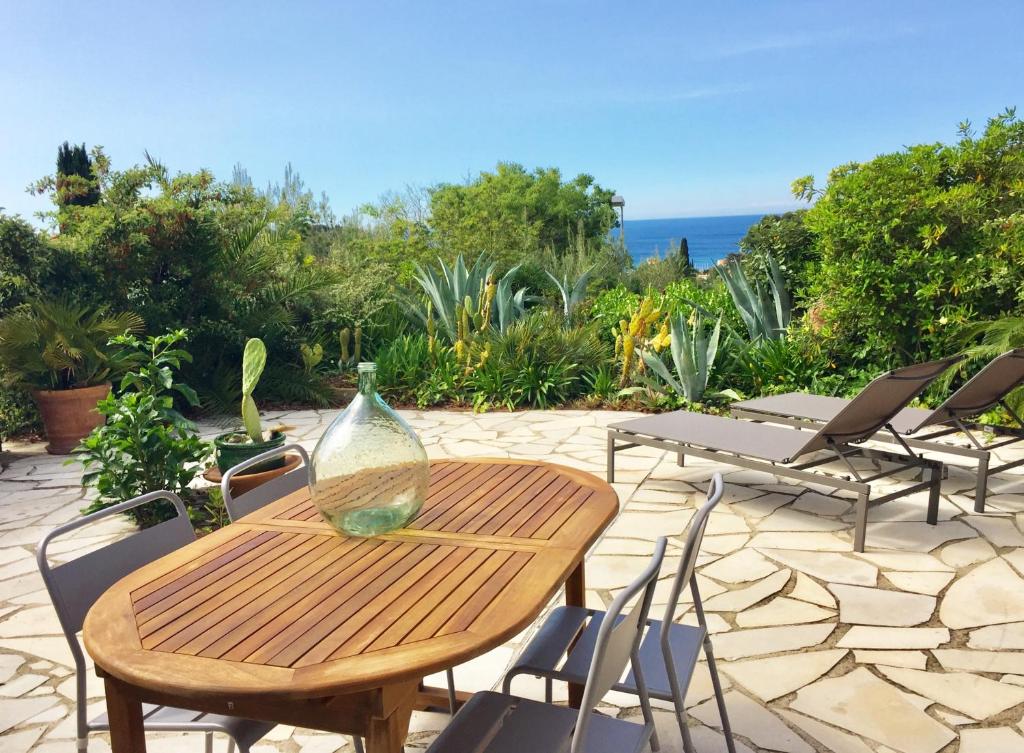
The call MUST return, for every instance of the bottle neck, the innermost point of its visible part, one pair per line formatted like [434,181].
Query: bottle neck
[367,381]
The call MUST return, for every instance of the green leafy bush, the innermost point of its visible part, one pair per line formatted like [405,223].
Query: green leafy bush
[18,413]
[535,362]
[146,444]
[785,238]
[916,243]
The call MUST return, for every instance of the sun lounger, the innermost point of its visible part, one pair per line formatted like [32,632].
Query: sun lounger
[918,427]
[776,449]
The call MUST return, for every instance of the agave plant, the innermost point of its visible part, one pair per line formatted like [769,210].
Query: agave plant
[572,295]
[693,351]
[457,289]
[765,311]
[59,344]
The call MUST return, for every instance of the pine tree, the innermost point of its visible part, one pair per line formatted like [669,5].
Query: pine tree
[76,182]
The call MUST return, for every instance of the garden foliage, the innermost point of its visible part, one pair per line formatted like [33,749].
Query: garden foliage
[510,289]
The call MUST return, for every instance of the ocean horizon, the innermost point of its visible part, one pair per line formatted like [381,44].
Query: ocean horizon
[709,238]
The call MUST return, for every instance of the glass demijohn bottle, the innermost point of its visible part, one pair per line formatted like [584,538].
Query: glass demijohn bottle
[369,471]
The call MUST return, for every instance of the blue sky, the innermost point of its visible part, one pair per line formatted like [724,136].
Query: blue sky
[685,108]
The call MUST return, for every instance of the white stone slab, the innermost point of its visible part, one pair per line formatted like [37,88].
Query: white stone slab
[808,541]
[755,722]
[862,703]
[787,519]
[1000,532]
[809,590]
[999,662]
[973,695]
[832,739]
[782,611]
[740,567]
[876,606]
[909,561]
[827,566]
[740,644]
[777,676]
[743,598]
[860,636]
[999,637]
[993,740]
[930,584]
[908,659]
[916,537]
[963,553]
[990,594]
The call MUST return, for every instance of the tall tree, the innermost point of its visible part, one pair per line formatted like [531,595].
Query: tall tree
[76,181]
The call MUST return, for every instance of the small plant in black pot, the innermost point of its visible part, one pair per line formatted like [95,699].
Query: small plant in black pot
[236,446]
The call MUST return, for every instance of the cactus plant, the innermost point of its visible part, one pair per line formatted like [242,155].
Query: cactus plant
[349,358]
[254,358]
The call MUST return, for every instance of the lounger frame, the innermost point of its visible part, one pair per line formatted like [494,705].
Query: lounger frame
[860,484]
[978,451]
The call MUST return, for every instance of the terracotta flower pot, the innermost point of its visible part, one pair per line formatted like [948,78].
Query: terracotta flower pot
[246,482]
[69,415]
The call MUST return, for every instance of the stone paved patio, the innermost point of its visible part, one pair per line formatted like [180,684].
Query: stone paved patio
[916,646]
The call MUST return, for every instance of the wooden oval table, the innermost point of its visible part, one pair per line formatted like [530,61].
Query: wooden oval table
[279,618]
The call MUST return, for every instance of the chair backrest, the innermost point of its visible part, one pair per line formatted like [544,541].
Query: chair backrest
[268,491]
[74,586]
[684,575]
[618,640]
[877,404]
[982,391]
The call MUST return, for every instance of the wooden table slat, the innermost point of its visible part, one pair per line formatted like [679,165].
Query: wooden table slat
[257,561]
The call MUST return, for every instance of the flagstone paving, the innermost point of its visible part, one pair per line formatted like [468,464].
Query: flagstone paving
[915,646]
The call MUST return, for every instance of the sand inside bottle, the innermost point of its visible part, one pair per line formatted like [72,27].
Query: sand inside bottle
[372,500]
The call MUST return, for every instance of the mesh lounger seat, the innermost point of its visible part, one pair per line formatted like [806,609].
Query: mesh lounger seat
[919,427]
[501,723]
[776,449]
[669,651]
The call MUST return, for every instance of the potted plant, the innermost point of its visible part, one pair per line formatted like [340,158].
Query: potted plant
[235,446]
[61,351]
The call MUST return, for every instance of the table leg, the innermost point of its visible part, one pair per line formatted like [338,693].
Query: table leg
[576,596]
[388,735]
[124,710]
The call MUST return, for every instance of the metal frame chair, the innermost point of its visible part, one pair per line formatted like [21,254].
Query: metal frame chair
[668,653]
[74,586]
[268,491]
[493,722]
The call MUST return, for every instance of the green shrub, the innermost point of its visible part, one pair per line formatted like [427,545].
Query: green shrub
[18,413]
[25,263]
[146,444]
[915,244]
[785,238]
[536,362]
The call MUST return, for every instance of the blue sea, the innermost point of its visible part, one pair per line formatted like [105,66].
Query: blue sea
[709,238]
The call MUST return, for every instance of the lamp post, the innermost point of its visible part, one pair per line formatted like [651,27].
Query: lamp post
[618,201]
